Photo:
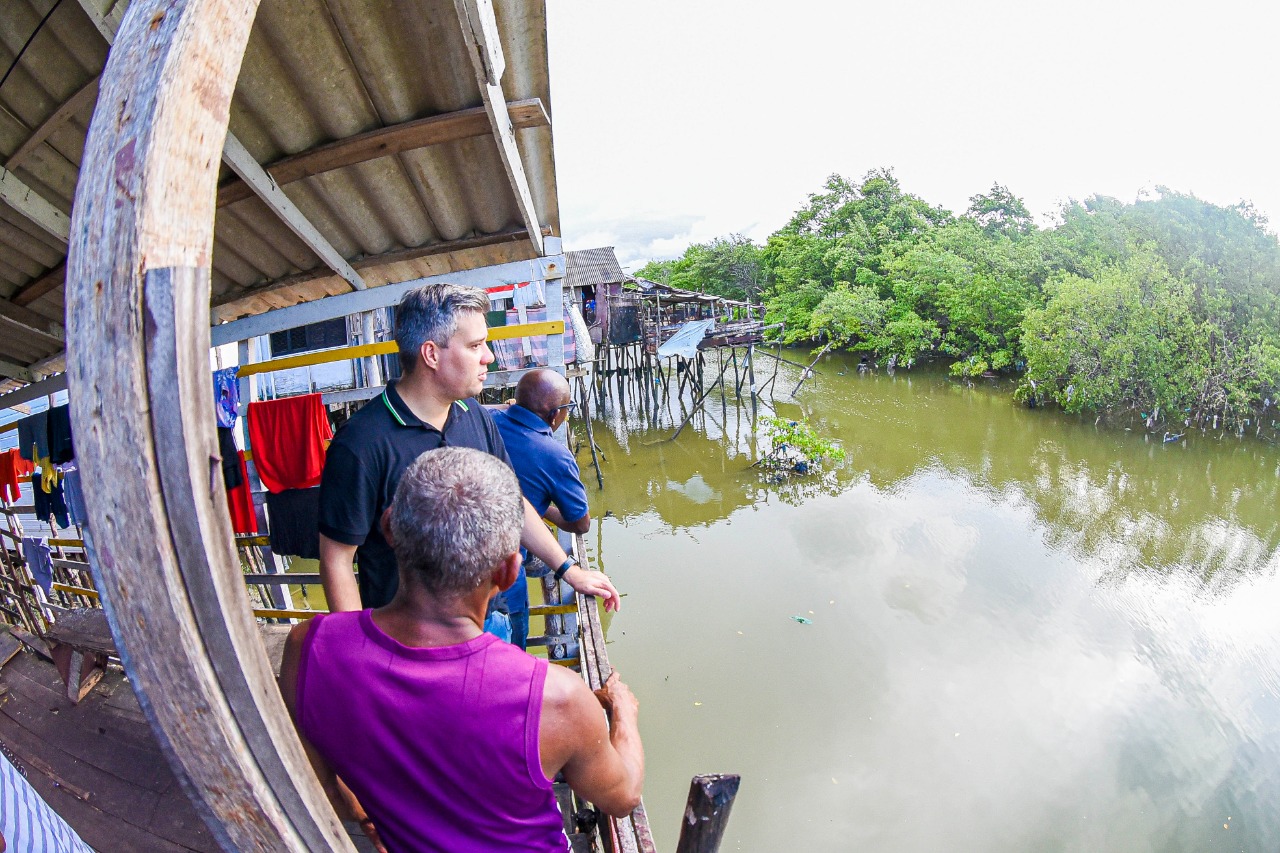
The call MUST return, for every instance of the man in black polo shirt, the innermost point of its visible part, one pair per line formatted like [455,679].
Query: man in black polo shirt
[445,356]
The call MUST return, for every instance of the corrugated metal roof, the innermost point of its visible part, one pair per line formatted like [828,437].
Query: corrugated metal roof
[315,73]
[592,268]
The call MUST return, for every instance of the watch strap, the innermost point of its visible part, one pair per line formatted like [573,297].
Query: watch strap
[568,564]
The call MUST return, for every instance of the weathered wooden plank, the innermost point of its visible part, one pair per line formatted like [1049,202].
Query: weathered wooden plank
[249,170]
[33,206]
[286,577]
[16,371]
[161,543]
[83,628]
[50,716]
[395,256]
[32,323]
[479,30]
[39,680]
[386,141]
[644,835]
[9,646]
[96,828]
[109,793]
[31,392]
[73,106]
[32,291]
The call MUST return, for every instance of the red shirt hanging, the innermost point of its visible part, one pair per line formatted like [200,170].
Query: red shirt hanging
[240,503]
[289,438]
[12,466]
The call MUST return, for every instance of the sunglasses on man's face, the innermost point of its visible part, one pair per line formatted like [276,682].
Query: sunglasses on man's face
[572,407]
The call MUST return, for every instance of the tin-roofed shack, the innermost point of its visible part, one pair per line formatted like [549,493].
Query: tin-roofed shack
[594,277]
[664,310]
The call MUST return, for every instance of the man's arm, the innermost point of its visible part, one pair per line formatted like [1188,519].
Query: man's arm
[538,539]
[582,525]
[604,766]
[337,575]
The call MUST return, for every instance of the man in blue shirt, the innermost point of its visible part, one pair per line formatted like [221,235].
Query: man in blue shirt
[547,471]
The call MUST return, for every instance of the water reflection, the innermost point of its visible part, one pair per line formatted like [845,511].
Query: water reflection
[1027,634]
[1203,505]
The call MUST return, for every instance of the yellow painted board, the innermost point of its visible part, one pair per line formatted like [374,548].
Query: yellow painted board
[552,609]
[75,590]
[66,543]
[307,359]
[318,357]
[527,330]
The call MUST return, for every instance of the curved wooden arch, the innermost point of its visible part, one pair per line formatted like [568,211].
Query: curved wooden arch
[160,542]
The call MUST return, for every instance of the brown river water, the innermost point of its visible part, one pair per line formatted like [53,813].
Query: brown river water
[1026,632]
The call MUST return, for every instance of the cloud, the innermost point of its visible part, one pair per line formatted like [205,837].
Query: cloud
[635,239]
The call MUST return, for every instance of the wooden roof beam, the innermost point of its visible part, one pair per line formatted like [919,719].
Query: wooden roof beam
[107,23]
[33,290]
[386,141]
[235,155]
[32,323]
[14,371]
[395,256]
[34,207]
[73,106]
[480,30]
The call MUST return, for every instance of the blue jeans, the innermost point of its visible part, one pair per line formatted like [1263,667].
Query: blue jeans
[498,624]
[517,602]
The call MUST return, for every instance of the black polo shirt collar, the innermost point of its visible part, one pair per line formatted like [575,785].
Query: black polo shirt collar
[404,416]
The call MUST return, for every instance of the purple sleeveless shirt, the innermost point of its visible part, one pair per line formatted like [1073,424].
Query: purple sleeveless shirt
[440,745]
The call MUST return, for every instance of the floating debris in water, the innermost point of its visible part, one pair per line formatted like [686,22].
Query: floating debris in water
[803,620]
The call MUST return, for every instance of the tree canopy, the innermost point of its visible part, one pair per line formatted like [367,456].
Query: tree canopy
[1167,306]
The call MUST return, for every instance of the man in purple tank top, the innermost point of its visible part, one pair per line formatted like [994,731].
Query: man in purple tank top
[447,737]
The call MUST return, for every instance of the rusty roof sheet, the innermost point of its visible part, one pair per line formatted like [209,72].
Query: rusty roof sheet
[592,268]
[371,108]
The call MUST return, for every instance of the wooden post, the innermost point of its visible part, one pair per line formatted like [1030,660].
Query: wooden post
[160,542]
[368,335]
[808,371]
[706,813]
[591,438]
[697,403]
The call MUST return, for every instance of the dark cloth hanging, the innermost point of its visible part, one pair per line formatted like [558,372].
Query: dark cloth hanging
[289,438]
[61,448]
[33,432]
[230,454]
[12,468]
[293,519]
[50,503]
[240,500]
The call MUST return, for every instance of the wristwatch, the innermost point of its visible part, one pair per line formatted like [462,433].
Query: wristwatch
[568,564]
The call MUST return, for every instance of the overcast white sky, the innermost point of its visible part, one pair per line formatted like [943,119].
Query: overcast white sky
[676,121]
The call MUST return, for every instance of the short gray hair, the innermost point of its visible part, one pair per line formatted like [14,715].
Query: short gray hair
[430,313]
[457,513]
